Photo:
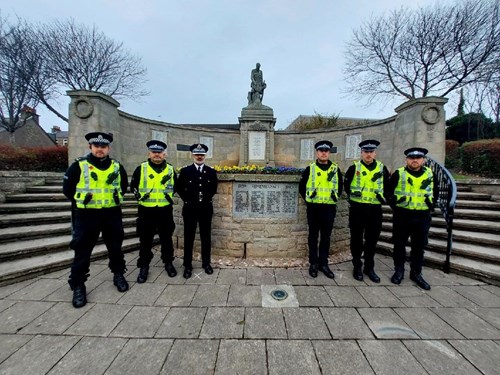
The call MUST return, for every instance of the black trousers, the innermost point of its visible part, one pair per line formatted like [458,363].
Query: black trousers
[413,224]
[152,220]
[194,215]
[365,223]
[320,219]
[87,225]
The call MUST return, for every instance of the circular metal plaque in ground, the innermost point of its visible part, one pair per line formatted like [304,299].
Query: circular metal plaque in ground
[279,294]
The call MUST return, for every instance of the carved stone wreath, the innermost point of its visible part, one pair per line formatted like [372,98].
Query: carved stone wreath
[83,108]
[431,114]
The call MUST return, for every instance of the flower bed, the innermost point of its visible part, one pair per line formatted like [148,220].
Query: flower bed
[255,169]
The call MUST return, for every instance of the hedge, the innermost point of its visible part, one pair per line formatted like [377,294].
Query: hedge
[481,158]
[42,159]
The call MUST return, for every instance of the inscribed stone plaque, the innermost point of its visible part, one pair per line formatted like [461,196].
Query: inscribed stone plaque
[307,149]
[264,200]
[351,146]
[208,141]
[256,145]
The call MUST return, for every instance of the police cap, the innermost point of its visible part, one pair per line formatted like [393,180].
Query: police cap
[99,138]
[323,145]
[198,149]
[369,145]
[156,146]
[416,152]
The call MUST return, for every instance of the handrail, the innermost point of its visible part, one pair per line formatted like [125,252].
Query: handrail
[446,200]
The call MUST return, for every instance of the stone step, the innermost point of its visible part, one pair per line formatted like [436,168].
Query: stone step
[477,269]
[473,225]
[463,236]
[26,268]
[43,230]
[469,195]
[44,189]
[16,220]
[467,250]
[462,187]
[474,204]
[17,208]
[30,247]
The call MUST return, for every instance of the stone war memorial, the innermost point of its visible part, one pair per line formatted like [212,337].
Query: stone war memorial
[258,215]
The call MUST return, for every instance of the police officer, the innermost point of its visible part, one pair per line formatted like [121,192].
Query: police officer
[413,192]
[196,185]
[153,185]
[96,184]
[364,184]
[321,187]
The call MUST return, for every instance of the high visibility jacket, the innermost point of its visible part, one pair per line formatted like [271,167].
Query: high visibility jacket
[366,184]
[97,188]
[156,187]
[414,193]
[322,186]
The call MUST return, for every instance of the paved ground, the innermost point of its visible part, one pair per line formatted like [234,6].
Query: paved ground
[217,324]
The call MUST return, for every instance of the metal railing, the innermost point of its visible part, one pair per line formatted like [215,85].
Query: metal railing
[446,201]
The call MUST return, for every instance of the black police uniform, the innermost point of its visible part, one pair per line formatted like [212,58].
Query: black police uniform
[152,220]
[88,223]
[197,190]
[365,221]
[320,219]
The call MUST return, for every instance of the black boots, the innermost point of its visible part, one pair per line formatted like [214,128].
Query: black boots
[372,275]
[419,280]
[120,282]
[327,271]
[79,295]
[169,267]
[357,274]
[143,274]
[313,270]
[208,269]
[187,272]
[397,277]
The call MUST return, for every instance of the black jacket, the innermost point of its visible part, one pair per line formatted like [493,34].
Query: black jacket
[195,187]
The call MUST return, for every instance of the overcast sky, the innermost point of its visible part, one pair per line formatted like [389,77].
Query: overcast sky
[199,53]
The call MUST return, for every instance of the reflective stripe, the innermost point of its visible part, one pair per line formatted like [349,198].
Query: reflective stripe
[410,188]
[363,185]
[153,192]
[318,188]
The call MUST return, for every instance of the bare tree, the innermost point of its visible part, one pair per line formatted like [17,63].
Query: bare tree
[17,67]
[78,57]
[429,51]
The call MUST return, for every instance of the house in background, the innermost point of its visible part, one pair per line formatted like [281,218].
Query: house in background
[29,135]
[59,136]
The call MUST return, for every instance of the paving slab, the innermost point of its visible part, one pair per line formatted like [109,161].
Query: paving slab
[344,278]
[244,295]
[106,292]
[11,343]
[192,357]
[427,324]
[56,320]
[38,356]
[346,296]
[142,294]
[289,276]
[305,323]
[294,357]
[176,295]
[211,295]
[489,314]
[5,304]
[379,296]
[232,276]
[22,313]
[312,296]
[467,323]
[99,320]
[483,354]
[37,291]
[141,322]
[321,280]
[241,357]
[386,324]
[345,323]
[438,357]
[269,301]
[447,297]
[223,322]
[264,323]
[7,290]
[492,289]
[478,295]
[200,277]
[141,356]
[260,276]
[182,322]
[91,355]
[341,357]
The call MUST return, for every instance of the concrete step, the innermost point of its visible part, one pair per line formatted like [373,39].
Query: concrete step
[26,268]
[480,270]
[44,230]
[475,204]
[16,220]
[463,187]
[17,208]
[29,247]
[468,224]
[463,236]
[44,189]
[469,195]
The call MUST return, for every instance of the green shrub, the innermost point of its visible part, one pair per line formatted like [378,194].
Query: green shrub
[481,158]
[452,159]
[42,159]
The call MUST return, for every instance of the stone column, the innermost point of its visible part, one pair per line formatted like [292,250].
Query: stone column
[92,111]
[256,128]
[420,123]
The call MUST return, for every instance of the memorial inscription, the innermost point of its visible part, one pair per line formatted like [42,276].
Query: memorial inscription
[265,200]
